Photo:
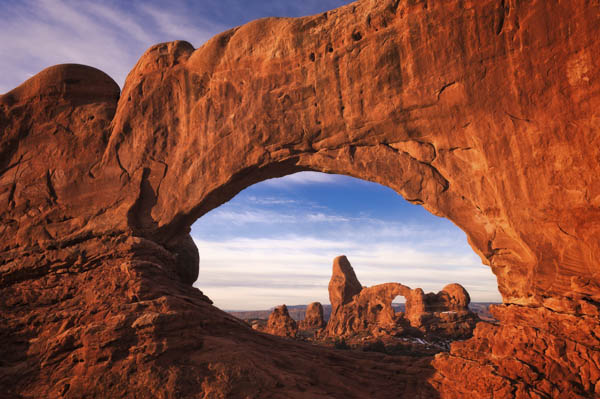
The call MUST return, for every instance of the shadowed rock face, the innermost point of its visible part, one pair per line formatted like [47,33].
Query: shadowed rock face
[313,318]
[485,112]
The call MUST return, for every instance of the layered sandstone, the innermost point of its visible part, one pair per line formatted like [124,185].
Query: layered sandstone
[485,112]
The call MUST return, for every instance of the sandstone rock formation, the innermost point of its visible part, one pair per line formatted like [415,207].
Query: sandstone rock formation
[313,318]
[485,112]
[369,311]
[445,314]
[343,285]
[280,323]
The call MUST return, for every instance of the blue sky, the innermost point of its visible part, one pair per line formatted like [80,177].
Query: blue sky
[275,241]
[111,35]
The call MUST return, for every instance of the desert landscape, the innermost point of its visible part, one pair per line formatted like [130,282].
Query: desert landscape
[483,112]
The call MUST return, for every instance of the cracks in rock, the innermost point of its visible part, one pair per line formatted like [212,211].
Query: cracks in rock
[35,272]
[494,365]
[502,13]
[166,168]
[11,195]
[516,118]
[394,6]
[444,182]
[452,149]
[494,251]
[123,170]
[565,232]
[17,163]
[90,173]
[50,187]
[66,129]
[444,87]
[48,233]
[435,153]
[541,331]
[541,306]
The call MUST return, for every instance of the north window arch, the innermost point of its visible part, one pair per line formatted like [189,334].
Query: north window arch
[273,243]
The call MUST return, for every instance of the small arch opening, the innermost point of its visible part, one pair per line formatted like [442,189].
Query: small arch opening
[399,305]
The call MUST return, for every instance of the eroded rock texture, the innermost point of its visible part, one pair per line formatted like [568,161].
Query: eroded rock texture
[445,314]
[486,112]
[280,323]
[313,318]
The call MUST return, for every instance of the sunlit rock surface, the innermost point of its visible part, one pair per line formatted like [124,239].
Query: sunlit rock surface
[486,112]
[369,311]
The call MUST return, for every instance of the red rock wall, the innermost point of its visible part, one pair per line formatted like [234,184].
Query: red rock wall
[486,112]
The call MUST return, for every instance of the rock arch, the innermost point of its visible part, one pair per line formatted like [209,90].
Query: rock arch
[485,113]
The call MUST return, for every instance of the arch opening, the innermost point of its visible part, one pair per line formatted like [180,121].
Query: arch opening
[273,243]
[399,305]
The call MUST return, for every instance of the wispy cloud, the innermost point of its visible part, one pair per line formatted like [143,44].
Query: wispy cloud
[251,216]
[301,266]
[306,178]
[110,36]
[271,200]
[326,218]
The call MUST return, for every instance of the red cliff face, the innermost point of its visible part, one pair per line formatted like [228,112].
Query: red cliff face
[485,112]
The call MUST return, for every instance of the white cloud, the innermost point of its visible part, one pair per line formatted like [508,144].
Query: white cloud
[322,217]
[178,26]
[240,217]
[305,178]
[246,215]
[296,269]
[271,200]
